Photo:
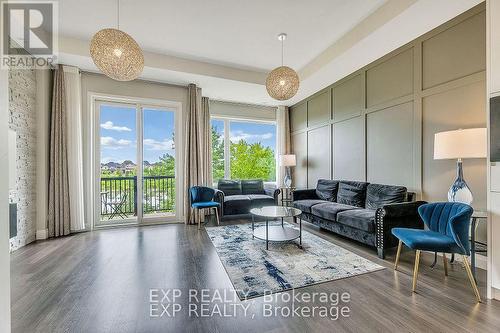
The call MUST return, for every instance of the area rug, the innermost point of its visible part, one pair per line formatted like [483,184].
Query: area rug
[254,271]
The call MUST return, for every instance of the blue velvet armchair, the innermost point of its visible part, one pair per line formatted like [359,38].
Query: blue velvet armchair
[202,197]
[447,232]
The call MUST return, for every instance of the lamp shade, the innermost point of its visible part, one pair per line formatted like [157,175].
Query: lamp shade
[288,160]
[462,143]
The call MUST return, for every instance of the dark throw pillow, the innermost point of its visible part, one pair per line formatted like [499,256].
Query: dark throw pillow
[229,187]
[352,193]
[252,186]
[378,195]
[327,189]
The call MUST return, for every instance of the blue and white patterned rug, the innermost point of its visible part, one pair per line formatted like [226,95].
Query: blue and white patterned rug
[255,272]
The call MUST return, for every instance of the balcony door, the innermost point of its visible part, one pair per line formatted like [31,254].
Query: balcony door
[137,163]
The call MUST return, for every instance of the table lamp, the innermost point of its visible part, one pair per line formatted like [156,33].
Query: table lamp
[460,144]
[287,161]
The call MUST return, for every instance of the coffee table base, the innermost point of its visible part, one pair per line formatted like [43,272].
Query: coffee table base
[277,233]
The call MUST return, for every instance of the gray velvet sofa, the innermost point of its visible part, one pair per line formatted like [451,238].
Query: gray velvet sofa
[237,197]
[361,211]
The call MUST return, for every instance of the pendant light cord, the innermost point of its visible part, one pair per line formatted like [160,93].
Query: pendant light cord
[118,13]
[282,51]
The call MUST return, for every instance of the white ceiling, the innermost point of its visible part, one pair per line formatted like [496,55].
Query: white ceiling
[240,33]
[228,46]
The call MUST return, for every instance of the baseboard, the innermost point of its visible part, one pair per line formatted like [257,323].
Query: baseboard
[481,261]
[42,234]
[495,293]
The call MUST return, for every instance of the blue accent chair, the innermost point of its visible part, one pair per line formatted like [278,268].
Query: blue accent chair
[202,197]
[447,225]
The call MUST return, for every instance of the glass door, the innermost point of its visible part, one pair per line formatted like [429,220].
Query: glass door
[137,163]
[159,163]
[118,163]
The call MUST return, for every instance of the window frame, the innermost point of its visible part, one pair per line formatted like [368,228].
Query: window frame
[227,140]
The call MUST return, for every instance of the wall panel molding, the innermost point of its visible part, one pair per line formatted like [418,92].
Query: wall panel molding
[390,79]
[389,143]
[298,118]
[463,81]
[352,130]
[299,147]
[348,149]
[348,98]
[318,154]
[454,53]
[319,109]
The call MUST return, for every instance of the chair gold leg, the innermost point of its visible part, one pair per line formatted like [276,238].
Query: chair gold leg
[400,245]
[445,264]
[217,215]
[471,278]
[199,219]
[415,270]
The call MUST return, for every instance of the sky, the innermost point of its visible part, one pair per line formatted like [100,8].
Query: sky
[118,130]
[248,131]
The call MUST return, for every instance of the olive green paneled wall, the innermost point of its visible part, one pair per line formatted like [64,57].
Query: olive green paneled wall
[348,98]
[319,109]
[390,79]
[349,149]
[299,142]
[318,153]
[378,124]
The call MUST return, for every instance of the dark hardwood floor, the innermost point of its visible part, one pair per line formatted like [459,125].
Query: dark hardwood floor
[101,281]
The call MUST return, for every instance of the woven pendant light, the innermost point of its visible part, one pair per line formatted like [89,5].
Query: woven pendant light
[283,82]
[117,54]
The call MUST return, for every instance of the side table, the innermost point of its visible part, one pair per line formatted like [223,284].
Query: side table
[473,249]
[286,195]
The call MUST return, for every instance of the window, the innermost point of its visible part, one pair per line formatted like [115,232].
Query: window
[247,152]
[217,149]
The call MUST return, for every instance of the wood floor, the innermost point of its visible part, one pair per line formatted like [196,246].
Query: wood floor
[100,282]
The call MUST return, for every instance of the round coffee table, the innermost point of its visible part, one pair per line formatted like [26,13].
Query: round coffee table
[276,233]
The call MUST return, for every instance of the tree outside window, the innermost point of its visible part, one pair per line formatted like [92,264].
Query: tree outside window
[252,150]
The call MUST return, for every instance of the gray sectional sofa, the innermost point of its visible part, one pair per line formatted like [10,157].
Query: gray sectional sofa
[358,210]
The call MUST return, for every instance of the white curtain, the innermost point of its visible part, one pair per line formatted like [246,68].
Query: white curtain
[283,140]
[72,79]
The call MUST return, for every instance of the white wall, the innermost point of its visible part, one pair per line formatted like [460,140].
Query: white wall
[493,89]
[4,201]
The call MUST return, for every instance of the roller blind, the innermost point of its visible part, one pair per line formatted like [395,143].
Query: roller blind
[242,111]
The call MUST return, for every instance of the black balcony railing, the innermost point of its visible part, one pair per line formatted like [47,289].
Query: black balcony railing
[119,195]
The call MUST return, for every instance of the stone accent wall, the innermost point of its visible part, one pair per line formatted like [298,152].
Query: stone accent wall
[22,106]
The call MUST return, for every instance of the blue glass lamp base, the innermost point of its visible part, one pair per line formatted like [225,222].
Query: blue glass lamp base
[287,180]
[459,190]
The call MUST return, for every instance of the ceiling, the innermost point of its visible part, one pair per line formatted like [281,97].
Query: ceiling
[238,33]
[227,47]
